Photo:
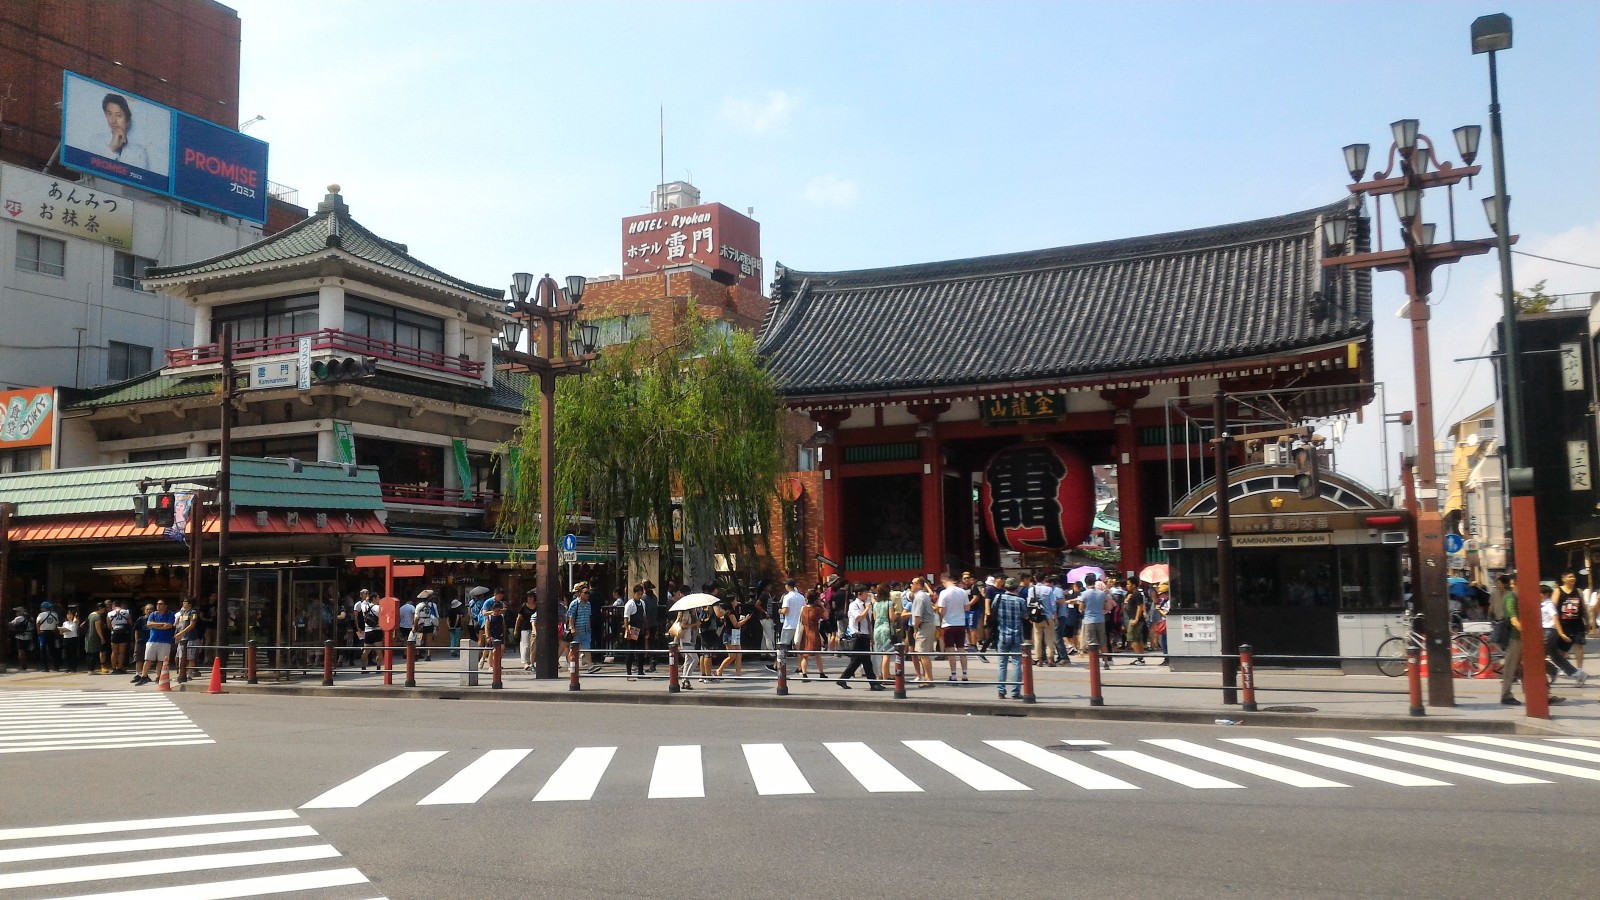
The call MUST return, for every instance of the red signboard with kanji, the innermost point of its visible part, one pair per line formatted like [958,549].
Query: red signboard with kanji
[710,234]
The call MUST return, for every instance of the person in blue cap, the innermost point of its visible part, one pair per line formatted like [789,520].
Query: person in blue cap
[47,625]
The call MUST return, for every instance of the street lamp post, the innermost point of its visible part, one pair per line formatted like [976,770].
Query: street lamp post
[555,309]
[1491,34]
[1419,168]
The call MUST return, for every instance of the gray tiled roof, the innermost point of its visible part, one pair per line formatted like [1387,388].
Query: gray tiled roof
[332,227]
[1184,298]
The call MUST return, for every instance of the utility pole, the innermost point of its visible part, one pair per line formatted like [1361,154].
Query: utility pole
[1227,612]
[224,498]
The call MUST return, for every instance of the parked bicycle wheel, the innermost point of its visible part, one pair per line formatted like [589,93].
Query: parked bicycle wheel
[1391,657]
[1464,655]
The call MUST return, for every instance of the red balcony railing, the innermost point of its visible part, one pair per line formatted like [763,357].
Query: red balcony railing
[430,495]
[332,340]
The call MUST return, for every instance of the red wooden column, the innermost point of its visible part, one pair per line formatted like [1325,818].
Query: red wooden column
[932,486]
[832,495]
[1130,484]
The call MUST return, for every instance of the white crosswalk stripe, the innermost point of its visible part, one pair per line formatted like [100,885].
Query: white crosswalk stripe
[1266,770]
[1428,762]
[684,771]
[57,720]
[256,861]
[1498,757]
[1328,760]
[578,776]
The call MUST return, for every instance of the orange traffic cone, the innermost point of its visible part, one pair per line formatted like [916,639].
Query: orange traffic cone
[1485,663]
[165,681]
[216,676]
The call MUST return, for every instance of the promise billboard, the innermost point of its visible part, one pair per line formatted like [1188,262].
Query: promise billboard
[124,137]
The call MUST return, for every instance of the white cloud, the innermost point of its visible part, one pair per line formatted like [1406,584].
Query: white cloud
[831,190]
[759,116]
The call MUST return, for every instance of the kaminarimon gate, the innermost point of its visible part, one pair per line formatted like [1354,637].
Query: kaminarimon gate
[959,404]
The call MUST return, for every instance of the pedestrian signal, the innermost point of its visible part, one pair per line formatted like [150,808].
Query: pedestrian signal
[163,512]
[141,510]
[344,368]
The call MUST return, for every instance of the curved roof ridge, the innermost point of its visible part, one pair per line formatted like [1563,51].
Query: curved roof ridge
[1211,237]
[331,227]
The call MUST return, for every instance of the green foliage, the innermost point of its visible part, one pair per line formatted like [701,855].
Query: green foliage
[1534,300]
[695,418]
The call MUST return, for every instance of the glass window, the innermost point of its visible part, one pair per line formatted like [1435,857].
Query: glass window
[300,446]
[128,268]
[622,329]
[276,317]
[124,361]
[36,253]
[27,459]
[401,327]
[165,453]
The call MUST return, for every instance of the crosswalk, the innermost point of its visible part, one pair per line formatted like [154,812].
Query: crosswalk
[44,721]
[198,857]
[911,767]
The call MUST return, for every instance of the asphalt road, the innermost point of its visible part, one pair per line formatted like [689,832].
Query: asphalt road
[481,799]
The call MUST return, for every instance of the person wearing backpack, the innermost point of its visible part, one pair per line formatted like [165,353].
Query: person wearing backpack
[427,622]
[47,626]
[371,634]
[22,636]
[120,620]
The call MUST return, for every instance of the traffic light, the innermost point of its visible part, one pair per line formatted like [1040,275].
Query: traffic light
[165,508]
[141,510]
[344,368]
[1307,480]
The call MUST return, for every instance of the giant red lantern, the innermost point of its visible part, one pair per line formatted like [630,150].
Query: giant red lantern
[1038,497]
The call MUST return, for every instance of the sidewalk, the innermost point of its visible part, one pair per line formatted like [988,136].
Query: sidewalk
[1287,698]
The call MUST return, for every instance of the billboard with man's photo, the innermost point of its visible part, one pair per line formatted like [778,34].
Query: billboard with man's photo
[111,133]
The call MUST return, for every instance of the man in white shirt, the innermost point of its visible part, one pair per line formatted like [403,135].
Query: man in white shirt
[789,610]
[859,635]
[953,606]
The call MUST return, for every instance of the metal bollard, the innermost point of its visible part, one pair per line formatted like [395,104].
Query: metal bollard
[250,663]
[183,661]
[1027,673]
[783,672]
[1247,677]
[573,658]
[1096,698]
[1414,675]
[673,661]
[388,658]
[327,663]
[469,662]
[497,654]
[411,660]
[900,671]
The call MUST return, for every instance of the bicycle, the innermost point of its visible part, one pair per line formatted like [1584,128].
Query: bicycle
[1391,654]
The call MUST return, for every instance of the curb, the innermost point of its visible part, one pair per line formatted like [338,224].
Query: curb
[940,707]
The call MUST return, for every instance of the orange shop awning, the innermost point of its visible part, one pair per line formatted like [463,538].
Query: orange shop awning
[122,528]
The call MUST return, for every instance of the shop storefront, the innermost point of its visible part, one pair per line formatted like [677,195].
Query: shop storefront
[1315,578]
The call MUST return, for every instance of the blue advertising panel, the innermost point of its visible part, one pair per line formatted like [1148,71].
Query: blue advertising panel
[111,133]
[220,168]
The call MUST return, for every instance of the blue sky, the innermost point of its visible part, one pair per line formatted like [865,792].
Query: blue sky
[497,136]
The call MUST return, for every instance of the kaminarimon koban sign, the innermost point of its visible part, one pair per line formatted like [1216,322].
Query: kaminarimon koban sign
[1038,497]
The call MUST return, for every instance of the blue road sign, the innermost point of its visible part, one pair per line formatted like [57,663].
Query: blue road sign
[1453,543]
[569,543]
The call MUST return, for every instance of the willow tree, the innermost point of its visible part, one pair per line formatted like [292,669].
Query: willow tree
[694,417]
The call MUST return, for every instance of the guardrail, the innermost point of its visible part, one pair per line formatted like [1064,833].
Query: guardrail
[682,658]
[327,339]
